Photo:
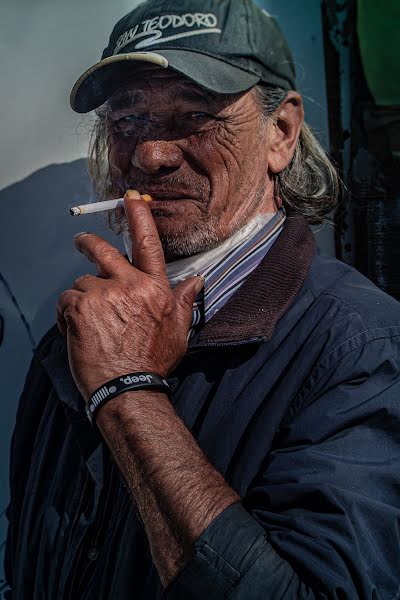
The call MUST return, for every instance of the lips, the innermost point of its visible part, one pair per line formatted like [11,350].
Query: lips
[169,195]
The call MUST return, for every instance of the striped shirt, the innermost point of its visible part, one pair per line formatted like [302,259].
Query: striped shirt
[221,280]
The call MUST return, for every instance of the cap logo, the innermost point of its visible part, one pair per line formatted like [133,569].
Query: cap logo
[154,30]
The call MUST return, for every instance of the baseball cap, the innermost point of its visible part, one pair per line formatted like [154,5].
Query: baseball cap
[226,46]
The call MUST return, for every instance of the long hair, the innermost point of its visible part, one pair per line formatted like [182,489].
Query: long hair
[309,185]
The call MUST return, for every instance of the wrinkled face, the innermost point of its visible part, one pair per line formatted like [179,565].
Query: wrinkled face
[202,157]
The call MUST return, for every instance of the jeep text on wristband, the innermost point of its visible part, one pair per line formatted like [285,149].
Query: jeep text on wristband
[119,385]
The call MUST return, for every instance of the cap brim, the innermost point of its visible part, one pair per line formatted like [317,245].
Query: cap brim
[99,82]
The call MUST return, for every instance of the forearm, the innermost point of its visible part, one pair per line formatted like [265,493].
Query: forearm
[177,491]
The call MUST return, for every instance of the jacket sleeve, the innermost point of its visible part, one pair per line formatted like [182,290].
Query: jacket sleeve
[322,518]
[233,559]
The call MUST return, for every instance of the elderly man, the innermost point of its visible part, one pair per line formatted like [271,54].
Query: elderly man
[242,391]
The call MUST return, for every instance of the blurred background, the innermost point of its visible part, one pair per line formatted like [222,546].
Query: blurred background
[346,55]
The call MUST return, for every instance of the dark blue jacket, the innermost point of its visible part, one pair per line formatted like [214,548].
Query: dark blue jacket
[293,392]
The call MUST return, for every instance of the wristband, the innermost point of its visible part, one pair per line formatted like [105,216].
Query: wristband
[119,385]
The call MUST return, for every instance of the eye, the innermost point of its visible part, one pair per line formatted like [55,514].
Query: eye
[199,116]
[196,122]
[130,123]
[131,119]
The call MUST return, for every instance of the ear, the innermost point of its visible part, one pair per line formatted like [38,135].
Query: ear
[285,131]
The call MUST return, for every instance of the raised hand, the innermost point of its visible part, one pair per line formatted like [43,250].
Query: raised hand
[126,318]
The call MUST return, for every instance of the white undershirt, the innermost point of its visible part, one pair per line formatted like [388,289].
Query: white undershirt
[182,268]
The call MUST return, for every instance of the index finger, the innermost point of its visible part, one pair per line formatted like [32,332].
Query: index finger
[147,251]
[108,260]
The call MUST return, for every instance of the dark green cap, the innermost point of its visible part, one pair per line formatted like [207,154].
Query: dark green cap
[225,46]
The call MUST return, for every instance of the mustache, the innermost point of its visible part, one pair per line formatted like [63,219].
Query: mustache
[169,183]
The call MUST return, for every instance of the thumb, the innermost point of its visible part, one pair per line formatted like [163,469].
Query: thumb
[185,294]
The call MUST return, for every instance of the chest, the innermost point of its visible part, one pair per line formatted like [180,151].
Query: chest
[79,522]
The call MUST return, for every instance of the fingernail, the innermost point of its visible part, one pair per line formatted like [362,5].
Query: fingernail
[199,284]
[132,195]
[81,233]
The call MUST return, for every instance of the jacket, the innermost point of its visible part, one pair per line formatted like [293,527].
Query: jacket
[292,390]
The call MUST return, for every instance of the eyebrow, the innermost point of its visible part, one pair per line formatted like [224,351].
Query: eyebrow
[193,96]
[130,99]
[123,100]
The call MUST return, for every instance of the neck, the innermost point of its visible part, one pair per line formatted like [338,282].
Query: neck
[181,268]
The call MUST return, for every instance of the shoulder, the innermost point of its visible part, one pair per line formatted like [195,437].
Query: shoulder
[351,301]
[353,333]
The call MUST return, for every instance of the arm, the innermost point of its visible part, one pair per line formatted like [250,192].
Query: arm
[321,518]
[127,320]
[177,492]
[183,503]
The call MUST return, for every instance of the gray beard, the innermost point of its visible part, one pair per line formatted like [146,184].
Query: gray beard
[199,238]
[202,236]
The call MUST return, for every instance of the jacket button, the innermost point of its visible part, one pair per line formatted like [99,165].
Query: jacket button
[93,553]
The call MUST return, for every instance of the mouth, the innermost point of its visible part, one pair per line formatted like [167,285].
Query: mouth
[169,195]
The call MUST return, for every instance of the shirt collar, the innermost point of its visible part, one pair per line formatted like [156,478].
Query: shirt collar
[204,262]
[224,276]
[253,312]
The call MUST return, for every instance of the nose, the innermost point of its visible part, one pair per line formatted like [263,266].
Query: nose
[152,156]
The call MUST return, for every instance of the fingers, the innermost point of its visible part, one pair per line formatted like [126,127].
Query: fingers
[86,283]
[68,299]
[185,294]
[147,252]
[66,303]
[108,260]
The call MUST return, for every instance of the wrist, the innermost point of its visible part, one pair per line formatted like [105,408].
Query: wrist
[131,406]
[143,380]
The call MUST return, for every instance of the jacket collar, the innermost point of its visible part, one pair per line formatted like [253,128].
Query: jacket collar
[252,313]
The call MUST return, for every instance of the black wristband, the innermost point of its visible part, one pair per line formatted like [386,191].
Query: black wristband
[119,385]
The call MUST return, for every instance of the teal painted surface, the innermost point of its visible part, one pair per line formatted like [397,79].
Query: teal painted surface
[378,26]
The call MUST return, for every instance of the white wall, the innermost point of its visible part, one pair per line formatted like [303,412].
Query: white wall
[44,46]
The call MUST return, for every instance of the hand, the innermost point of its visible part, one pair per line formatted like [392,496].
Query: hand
[127,318]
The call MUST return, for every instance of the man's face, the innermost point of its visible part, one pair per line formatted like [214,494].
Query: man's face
[202,157]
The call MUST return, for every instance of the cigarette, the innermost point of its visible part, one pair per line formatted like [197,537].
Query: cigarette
[96,207]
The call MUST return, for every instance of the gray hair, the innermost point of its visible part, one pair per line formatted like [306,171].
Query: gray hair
[309,185]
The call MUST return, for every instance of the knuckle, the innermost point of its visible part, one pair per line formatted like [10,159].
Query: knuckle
[82,279]
[108,251]
[148,244]
[64,297]
[68,303]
